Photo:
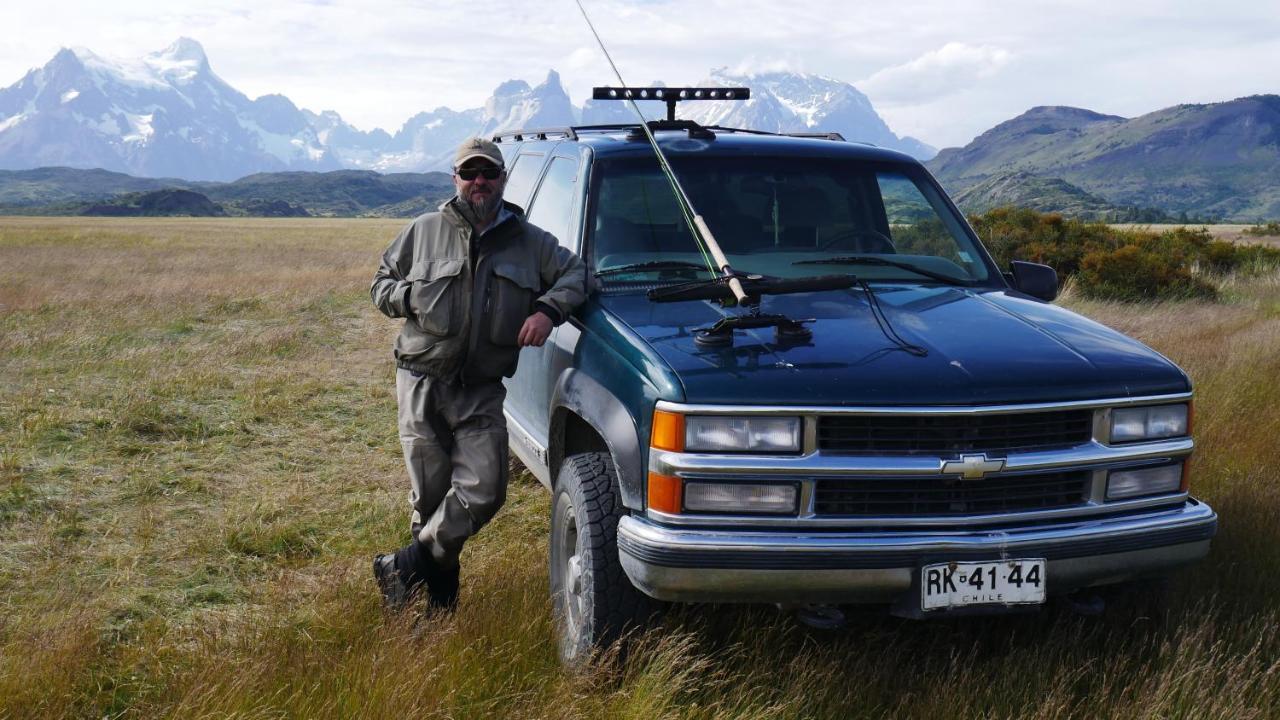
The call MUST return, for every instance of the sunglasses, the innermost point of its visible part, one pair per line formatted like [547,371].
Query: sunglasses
[490,172]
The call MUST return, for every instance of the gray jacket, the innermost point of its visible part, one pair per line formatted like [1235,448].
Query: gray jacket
[464,302]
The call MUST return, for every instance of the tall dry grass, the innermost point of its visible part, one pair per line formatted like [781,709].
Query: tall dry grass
[198,458]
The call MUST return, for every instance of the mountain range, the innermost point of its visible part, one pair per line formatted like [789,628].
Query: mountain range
[347,193]
[1216,160]
[168,114]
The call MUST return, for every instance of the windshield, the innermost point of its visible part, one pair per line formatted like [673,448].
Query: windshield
[778,216]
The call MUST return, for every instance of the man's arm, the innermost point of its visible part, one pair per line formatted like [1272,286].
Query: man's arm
[566,276]
[390,291]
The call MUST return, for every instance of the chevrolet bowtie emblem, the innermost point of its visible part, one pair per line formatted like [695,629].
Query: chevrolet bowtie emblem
[972,467]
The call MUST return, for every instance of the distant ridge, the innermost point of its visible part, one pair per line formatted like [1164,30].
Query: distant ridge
[1217,160]
[340,193]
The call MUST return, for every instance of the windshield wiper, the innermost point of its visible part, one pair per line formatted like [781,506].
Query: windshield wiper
[652,265]
[752,285]
[873,260]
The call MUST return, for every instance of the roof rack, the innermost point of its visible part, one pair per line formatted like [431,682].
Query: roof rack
[693,128]
[568,133]
[814,135]
[817,135]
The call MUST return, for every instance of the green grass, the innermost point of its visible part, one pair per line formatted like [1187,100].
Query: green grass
[198,458]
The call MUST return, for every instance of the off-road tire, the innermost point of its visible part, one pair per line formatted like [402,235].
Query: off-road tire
[593,599]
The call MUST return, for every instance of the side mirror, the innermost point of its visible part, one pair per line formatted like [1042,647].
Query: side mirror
[1038,281]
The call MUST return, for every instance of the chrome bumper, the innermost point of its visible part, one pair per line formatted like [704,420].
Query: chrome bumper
[700,565]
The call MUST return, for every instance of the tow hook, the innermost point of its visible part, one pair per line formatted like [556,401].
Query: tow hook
[1086,603]
[820,617]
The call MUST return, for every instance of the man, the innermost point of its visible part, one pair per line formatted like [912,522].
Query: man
[474,282]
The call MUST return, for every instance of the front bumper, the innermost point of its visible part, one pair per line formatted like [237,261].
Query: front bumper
[813,566]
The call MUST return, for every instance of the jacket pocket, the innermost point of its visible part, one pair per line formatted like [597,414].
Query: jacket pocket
[435,296]
[511,294]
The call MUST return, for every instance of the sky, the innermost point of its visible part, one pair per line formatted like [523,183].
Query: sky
[942,71]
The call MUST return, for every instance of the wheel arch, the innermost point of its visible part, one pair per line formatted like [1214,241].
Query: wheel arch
[587,417]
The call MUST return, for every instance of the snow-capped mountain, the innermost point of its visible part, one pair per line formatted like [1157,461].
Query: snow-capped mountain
[427,140]
[514,105]
[166,114]
[799,102]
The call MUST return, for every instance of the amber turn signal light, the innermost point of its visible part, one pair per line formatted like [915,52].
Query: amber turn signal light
[664,493]
[668,431]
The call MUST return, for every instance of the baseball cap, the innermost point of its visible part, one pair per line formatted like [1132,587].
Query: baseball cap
[477,147]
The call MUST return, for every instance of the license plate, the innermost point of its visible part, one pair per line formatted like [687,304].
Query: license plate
[962,584]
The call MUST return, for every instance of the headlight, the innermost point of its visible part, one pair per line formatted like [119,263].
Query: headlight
[739,497]
[724,433]
[1148,423]
[1124,484]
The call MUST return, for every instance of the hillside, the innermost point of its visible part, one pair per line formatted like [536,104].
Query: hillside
[1024,190]
[341,193]
[170,202]
[50,185]
[1219,160]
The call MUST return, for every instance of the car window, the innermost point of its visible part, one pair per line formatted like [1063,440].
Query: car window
[770,213]
[916,228]
[555,205]
[521,177]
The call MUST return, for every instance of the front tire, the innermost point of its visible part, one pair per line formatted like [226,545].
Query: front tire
[593,599]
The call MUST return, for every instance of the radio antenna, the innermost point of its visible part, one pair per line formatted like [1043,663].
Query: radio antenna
[698,226]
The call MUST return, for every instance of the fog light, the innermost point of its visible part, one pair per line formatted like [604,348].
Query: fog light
[1147,481]
[664,493]
[739,497]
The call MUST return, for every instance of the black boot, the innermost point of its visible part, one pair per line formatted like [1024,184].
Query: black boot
[442,588]
[418,569]
[395,592]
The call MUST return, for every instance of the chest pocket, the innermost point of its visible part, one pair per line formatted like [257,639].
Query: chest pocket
[512,292]
[435,296]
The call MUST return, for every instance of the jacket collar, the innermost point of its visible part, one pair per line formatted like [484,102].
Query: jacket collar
[460,215]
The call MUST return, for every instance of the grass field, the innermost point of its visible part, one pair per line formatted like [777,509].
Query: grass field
[1223,231]
[198,458]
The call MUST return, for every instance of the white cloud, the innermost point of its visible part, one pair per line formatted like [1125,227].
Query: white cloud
[937,73]
[756,65]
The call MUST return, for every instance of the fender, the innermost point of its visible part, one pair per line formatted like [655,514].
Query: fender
[582,395]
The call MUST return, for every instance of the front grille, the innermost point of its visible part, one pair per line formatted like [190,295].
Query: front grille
[950,496]
[948,434]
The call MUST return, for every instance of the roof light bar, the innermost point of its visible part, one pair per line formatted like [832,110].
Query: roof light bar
[671,95]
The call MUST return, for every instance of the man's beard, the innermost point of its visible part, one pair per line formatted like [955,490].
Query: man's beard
[484,208]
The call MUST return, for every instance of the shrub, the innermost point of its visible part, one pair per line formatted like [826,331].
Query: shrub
[1021,234]
[1135,273]
[1112,263]
[1271,229]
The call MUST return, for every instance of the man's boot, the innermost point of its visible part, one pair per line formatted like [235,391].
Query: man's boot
[442,587]
[395,592]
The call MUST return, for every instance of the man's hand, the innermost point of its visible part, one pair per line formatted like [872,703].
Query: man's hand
[536,329]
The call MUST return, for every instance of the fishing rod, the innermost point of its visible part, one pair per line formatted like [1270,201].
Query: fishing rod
[697,226]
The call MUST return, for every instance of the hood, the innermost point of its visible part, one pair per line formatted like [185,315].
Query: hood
[984,347]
